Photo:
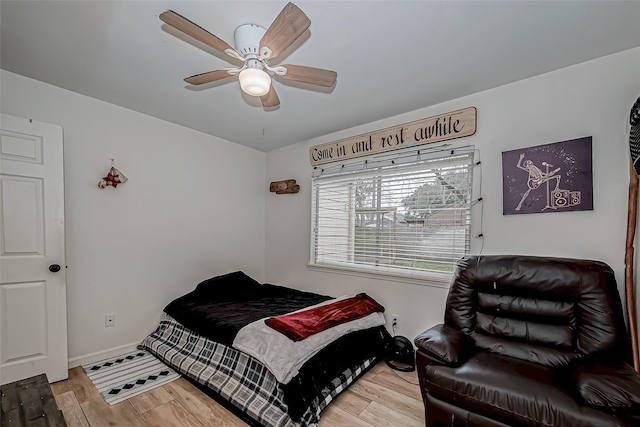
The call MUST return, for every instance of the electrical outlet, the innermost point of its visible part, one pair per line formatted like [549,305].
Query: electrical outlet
[395,321]
[109,320]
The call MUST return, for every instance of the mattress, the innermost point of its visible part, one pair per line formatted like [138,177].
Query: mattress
[239,379]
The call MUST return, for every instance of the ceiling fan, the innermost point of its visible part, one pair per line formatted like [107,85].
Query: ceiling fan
[255,47]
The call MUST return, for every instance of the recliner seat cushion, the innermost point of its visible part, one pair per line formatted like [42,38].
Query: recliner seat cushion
[508,389]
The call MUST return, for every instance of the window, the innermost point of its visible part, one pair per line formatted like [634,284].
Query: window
[409,219]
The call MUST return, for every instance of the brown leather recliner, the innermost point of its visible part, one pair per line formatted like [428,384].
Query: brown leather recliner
[529,341]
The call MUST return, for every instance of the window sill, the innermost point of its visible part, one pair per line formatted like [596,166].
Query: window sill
[434,280]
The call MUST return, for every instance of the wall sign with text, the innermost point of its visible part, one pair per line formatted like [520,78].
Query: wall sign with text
[456,124]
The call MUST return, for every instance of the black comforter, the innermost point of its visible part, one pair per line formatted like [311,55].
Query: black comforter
[219,307]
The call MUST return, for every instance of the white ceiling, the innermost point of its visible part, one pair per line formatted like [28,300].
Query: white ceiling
[391,56]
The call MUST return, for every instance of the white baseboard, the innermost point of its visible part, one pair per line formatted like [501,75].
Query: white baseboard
[104,354]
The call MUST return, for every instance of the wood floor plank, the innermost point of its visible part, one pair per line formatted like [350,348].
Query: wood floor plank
[333,416]
[381,416]
[71,410]
[375,370]
[100,414]
[390,398]
[66,400]
[61,387]
[204,408]
[82,385]
[150,399]
[378,367]
[409,376]
[351,402]
[170,414]
[390,380]
[74,417]
[378,399]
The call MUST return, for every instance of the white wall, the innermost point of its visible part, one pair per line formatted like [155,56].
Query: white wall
[592,98]
[196,206]
[193,208]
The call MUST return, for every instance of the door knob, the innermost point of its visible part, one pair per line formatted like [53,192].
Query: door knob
[54,268]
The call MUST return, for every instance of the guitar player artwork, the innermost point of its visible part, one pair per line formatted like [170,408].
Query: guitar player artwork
[548,178]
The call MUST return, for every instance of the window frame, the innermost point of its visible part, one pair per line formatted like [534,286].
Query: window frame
[424,278]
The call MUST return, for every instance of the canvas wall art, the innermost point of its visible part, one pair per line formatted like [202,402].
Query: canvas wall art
[547,178]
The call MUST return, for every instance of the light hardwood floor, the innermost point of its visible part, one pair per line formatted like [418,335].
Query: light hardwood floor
[378,399]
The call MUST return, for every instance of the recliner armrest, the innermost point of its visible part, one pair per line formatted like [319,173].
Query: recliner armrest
[445,344]
[610,386]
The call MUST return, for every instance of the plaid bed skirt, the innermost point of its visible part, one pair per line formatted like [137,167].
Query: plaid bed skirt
[235,376]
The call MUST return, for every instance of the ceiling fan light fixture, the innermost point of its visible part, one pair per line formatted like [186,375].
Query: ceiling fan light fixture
[254,45]
[255,82]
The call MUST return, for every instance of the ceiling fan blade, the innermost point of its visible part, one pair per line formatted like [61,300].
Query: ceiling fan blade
[270,99]
[181,23]
[209,77]
[285,29]
[314,76]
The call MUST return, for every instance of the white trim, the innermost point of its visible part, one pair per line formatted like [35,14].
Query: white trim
[433,280]
[104,354]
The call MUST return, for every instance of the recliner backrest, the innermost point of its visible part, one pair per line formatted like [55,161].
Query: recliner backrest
[544,310]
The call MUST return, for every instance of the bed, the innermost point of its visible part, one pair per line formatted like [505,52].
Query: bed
[200,334]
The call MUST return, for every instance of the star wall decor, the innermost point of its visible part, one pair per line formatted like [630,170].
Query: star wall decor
[113,178]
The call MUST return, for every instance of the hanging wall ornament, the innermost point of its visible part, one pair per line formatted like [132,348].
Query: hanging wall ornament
[113,178]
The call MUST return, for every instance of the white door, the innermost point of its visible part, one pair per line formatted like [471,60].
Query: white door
[33,307]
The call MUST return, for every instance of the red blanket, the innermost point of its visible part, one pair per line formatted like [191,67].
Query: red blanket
[303,324]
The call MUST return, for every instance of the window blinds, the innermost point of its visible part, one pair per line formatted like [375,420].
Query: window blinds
[399,219]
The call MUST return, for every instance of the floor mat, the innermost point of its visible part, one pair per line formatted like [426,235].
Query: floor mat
[121,377]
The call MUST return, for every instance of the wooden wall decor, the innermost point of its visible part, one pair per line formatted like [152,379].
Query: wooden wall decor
[456,124]
[288,186]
